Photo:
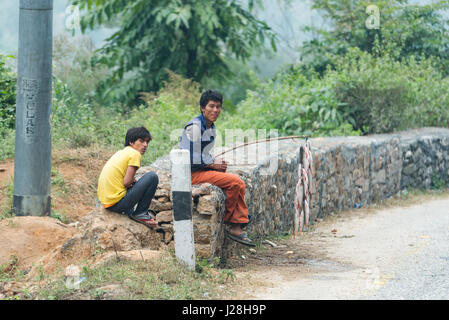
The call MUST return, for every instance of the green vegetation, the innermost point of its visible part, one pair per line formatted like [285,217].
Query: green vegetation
[6,204]
[163,278]
[292,104]
[7,107]
[353,80]
[7,94]
[362,94]
[438,183]
[380,95]
[405,31]
[7,136]
[80,125]
[188,37]
[350,81]
[9,270]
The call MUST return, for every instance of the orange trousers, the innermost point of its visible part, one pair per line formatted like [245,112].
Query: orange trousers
[234,188]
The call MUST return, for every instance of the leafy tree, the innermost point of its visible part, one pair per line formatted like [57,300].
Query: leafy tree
[405,31]
[188,37]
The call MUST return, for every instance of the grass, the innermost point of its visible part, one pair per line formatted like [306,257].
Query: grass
[159,279]
[60,188]
[58,182]
[409,197]
[6,194]
[59,216]
[9,269]
[7,146]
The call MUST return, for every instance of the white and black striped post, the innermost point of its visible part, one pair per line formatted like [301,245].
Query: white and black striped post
[181,188]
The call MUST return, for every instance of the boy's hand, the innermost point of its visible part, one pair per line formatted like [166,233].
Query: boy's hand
[219,165]
[129,179]
[132,183]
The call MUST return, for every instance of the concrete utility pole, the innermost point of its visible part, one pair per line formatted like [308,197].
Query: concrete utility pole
[181,188]
[32,161]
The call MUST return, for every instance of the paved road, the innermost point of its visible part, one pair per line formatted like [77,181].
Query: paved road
[400,253]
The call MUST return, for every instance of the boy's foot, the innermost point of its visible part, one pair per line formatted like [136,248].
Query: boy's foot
[235,233]
[146,219]
[241,238]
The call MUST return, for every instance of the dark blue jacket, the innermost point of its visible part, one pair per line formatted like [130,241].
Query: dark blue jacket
[199,140]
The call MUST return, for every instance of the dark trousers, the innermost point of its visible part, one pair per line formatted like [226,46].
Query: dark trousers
[141,193]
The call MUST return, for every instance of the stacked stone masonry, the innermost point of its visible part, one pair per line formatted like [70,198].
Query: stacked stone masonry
[349,172]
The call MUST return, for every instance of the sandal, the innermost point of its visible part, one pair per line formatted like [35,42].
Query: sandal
[146,219]
[241,238]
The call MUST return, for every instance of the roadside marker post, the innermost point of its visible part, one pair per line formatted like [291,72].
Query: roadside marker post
[181,189]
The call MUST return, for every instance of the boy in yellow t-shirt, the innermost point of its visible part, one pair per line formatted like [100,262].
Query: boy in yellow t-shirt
[118,190]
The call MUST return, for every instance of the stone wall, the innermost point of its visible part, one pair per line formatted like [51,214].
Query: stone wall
[425,158]
[349,172]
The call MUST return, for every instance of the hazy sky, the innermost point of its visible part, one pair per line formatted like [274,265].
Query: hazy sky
[9,24]
[286,21]
[300,14]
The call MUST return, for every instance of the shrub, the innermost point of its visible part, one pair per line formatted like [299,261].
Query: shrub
[7,137]
[362,94]
[168,111]
[380,95]
[72,123]
[79,125]
[8,81]
[292,103]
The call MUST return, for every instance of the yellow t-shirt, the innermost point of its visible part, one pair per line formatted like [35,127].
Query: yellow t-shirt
[110,183]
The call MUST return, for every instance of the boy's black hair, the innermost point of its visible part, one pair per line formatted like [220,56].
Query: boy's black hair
[209,95]
[134,134]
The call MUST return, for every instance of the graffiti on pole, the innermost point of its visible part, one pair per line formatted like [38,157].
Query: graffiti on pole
[29,89]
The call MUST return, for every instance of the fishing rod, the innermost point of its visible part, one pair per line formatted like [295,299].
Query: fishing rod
[265,140]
